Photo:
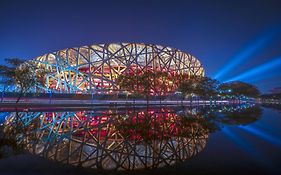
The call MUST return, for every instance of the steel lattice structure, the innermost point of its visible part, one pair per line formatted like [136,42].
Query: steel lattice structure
[90,68]
[113,140]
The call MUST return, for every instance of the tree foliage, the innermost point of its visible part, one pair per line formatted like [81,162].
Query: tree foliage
[23,75]
[201,86]
[145,82]
[159,83]
[239,88]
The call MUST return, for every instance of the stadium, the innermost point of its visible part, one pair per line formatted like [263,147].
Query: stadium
[95,68]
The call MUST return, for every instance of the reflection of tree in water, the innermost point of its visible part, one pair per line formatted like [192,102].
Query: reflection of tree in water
[161,124]
[241,116]
[128,139]
[12,139]
[213,118]
[276,107]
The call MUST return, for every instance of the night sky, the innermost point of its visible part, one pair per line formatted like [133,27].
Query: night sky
[235,40]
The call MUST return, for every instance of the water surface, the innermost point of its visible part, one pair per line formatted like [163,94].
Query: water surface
[239,139]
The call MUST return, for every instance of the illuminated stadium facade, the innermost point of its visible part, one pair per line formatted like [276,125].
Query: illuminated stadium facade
[91,69]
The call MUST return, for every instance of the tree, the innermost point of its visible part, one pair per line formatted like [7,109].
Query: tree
[23,75]
[238,89]
[208,87]
[201,86]
[127,82]
[145,82]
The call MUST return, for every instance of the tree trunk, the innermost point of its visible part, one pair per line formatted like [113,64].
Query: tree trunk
[147,99]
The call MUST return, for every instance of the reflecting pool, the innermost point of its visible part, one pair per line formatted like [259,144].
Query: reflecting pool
[148,138]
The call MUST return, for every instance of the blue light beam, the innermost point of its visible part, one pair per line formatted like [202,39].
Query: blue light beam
[262,135]
[266,76]
[245,54]
[246,146]
[257,70]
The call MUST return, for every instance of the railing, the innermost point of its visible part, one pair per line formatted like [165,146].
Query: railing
[121,98]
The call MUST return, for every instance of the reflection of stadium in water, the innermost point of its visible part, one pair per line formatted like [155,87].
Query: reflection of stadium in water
[125,140]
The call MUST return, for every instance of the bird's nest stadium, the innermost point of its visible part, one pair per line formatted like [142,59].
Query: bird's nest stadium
[90,69]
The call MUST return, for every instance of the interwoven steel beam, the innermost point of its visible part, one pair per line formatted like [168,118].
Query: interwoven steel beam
[89,69]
